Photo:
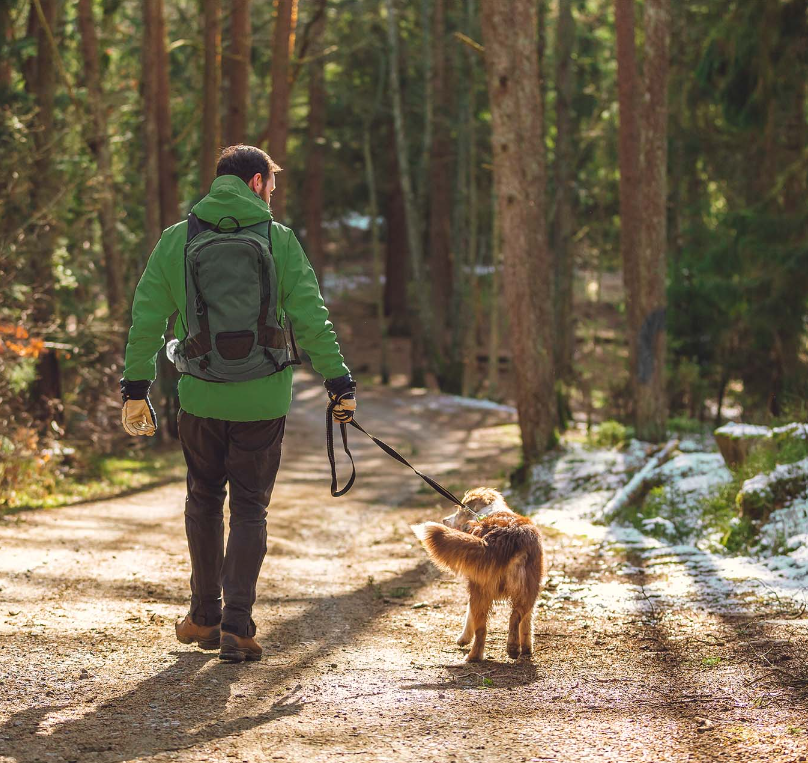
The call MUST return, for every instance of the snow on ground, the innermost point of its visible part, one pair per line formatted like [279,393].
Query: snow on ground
[334,284]
[449,402]
[787,528]
[764,485]
[569,490]
[734,429]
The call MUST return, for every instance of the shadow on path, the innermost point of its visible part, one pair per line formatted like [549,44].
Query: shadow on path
[190,702]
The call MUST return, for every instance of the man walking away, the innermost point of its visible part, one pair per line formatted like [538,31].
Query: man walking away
[235,276]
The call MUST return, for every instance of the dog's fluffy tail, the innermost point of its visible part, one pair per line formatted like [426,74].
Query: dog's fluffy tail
[453,550]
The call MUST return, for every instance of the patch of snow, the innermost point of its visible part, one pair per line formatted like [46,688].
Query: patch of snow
[697,444]
[799,431]
[762,484]
[446,402]
[579,470]
[570,490]
[333,284]
[695,474]
[664,524]
[787,528]
[735,430]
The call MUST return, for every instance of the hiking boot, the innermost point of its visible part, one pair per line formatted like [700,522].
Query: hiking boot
[239,648]
[188,632]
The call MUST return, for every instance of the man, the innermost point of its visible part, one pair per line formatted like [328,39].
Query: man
[230,431]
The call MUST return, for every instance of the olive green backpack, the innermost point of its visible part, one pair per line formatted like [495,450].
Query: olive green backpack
[231,299]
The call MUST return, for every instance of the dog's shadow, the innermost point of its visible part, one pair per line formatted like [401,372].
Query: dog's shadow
[486,674]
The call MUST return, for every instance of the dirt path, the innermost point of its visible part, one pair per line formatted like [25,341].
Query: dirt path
[358,631]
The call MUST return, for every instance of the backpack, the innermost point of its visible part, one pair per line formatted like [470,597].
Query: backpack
[231,298]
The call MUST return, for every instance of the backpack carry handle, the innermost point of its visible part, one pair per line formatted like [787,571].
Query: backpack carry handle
[219,228]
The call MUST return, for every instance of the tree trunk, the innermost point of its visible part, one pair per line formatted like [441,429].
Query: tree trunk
[421,184]
[564,171]
[98,141]
[470,381]
[160,164]
[315,152]
[420,290]
[629,159]
[509,36]
[238,73]
[378,287]
[541,51]
[440,194]
[40,81]
[151,132]
[651,400]
[167,167]
[283,43]
[6,36]
[211,92]
[397,271]
[496,293]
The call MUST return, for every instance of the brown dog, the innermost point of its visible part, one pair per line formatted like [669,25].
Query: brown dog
[501,555]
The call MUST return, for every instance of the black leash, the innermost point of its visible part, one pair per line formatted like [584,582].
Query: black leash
[329,441]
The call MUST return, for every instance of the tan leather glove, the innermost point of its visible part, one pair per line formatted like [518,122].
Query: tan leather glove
[342,392]
[137,419]
[137,416]
[344,410]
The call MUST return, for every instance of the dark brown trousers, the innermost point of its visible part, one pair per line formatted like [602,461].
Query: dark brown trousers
[247,456]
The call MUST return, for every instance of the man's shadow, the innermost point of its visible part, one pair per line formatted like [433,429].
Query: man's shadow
[179,707]
[186,704]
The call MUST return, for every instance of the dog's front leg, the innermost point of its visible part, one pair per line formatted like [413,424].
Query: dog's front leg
[468,631]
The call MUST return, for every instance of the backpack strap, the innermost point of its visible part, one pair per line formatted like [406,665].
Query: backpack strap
[268,336]
[196,226]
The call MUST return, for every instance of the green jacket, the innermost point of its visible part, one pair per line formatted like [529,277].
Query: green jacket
[161,292]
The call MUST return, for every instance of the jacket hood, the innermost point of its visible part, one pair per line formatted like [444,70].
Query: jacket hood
[231,197]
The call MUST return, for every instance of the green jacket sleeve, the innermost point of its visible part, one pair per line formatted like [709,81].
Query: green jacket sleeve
[303,303]
[151,309]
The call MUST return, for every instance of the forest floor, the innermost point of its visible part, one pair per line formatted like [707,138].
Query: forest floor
[358,630]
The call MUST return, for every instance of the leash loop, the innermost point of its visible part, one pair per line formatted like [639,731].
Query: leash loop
[329,440]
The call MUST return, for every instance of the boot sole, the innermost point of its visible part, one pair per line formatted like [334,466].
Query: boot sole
[234,654]
[203,644]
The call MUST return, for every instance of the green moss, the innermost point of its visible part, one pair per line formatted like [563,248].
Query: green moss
[610,434]
[36,483]
[685,425]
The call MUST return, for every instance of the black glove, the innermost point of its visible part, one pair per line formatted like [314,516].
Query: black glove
[342,392]
[137,416]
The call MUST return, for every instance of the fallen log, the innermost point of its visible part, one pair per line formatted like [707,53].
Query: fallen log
[639,484]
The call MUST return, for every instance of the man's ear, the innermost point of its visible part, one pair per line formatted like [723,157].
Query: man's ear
[256,184]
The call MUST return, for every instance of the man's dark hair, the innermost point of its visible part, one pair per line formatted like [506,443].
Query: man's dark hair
[245,162]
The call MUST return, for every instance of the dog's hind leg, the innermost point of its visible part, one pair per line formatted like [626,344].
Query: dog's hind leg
[514,637]
[526,632]
[468,631]
[479,605]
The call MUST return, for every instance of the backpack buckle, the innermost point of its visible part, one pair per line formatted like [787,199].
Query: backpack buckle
[199,305]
